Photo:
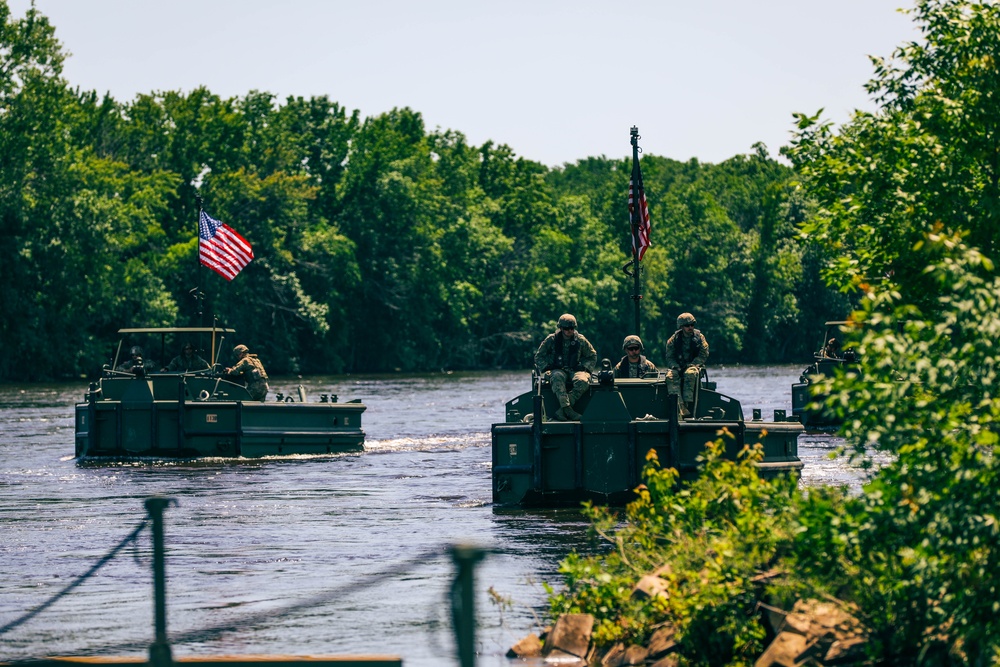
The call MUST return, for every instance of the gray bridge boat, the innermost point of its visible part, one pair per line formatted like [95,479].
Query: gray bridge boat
[147,412]
[537,462]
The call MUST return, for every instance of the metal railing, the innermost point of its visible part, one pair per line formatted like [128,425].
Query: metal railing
[461,596]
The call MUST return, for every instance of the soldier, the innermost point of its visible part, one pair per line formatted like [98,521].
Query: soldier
[633,364]
[134,364]
[251,371]
[687,352]
[567,357]
[186,362]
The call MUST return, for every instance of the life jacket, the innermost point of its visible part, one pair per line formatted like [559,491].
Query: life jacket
[680,346]
[256,372]
[566,358]
[622,368]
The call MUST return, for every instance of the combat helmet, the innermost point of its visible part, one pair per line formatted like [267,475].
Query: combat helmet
[240,349]
[632,340]
[567,321]
[685,319]
[136,351]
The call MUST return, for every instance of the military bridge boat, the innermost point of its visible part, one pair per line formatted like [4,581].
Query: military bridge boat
[600,456]
[538,462]
[832,354]
[148,411]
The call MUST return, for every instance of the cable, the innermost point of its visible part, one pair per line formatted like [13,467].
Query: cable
[257,618]
[79,580]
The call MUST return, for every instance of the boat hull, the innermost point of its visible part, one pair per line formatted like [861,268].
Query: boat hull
[171,417]
[600,458]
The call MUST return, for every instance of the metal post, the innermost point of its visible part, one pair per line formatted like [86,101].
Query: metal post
[92,419]
[198,294]
[463,599]
[635,216]
[536,436]
[159,650]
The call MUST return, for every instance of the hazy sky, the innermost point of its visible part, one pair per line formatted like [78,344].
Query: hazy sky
[555,80]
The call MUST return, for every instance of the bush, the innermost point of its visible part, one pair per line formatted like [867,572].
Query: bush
[707,539]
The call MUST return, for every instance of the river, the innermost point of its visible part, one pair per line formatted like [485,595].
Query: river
[249,539]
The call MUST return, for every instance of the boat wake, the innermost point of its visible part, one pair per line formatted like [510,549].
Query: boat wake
[432,443]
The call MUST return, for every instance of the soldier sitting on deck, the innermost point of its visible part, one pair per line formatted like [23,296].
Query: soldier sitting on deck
[633,364]
[564,357]
[687,352]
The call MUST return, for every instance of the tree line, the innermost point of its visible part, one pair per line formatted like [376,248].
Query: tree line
[380,245]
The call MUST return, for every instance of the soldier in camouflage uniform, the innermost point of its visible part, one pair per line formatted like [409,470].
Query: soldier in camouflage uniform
[687,352]
[251,371]
[186,362]
[633,364]
[566,357]
[134,364]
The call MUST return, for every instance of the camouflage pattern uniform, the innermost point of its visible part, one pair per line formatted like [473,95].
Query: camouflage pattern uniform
[252,372]
[183,364]
[135,362]
[569,359]
[687,353]
[127,367]
[626,369]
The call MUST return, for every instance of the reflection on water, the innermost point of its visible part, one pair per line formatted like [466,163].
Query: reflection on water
[258,536]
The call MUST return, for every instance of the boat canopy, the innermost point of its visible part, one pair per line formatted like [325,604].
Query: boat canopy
[166,337]
[169,330]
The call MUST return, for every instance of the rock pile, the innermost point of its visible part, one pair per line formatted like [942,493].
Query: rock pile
[813,633]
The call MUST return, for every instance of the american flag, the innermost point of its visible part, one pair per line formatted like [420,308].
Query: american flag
[638,216]
[220,248]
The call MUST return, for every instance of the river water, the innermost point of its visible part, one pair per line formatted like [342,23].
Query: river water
[363,537]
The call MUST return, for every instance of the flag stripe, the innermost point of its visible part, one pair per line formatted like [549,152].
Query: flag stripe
[221,248]
[638,216]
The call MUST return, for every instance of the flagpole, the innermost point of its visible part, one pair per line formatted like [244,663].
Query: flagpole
[636,214]
[199,295]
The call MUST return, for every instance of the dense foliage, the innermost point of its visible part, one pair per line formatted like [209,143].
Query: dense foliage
[928,159]
[920,549]
[706,541]
[915,555]
[379,245]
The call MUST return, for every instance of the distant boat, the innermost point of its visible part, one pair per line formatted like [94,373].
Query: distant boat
[830,355]
[146,412]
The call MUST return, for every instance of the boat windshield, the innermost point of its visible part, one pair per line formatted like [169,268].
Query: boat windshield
[156,348]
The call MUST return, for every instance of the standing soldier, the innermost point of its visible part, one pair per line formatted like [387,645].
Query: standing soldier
[633,364]
[566,357]
[687,352]
[251,371]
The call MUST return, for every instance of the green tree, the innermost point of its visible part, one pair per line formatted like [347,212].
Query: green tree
[929,157]
[918,550]
[80,232]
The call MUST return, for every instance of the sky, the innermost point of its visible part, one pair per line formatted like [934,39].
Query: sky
[556,80]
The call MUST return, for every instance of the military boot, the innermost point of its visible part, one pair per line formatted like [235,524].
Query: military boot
[571,414]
